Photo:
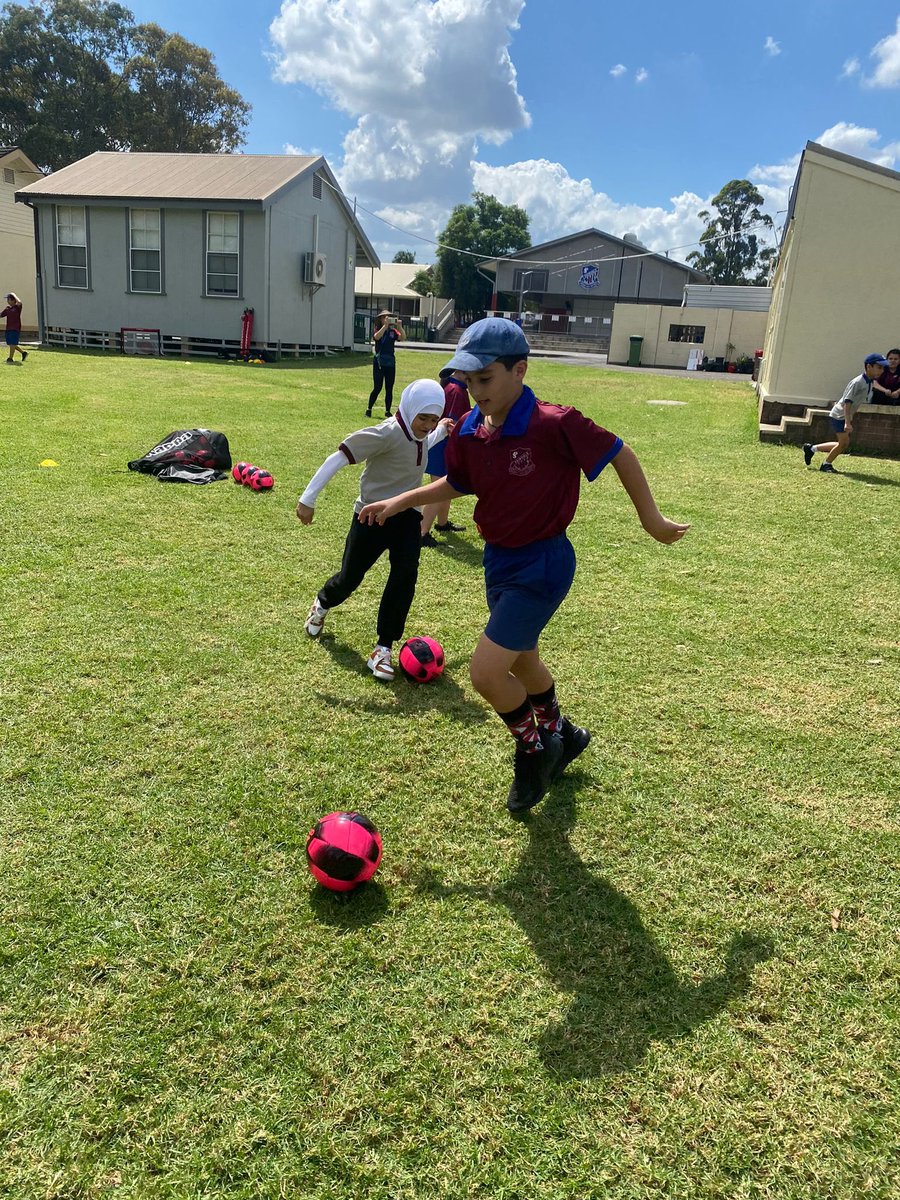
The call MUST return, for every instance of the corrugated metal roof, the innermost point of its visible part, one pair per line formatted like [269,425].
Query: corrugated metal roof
[720,295]
[125,175]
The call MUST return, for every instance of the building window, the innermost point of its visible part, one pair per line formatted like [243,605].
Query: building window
[9,176]
[223,253]
[71,246]
[317,187]
[145,250]
[687,333]
[529,281]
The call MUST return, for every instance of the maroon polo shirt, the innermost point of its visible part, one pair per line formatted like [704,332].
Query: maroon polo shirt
[456,399]
[527,476]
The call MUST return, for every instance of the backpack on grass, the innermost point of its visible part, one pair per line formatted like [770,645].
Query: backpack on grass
[187,456]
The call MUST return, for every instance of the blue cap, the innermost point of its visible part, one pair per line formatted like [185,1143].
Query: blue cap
[872,358]
[486,340]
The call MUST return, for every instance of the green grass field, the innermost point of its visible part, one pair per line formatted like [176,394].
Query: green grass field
[680,978]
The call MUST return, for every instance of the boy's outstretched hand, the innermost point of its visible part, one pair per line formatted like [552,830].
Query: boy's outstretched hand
[305,514]
[666,531]
[378,512]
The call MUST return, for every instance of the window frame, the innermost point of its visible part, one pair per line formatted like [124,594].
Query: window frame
[520,272]
[687,335]
[58,209]
[238,254]
[158,250]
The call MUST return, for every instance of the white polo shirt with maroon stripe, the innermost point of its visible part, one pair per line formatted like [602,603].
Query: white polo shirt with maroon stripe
[394,459]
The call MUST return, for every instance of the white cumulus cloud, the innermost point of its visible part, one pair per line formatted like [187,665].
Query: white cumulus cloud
[887,56]
[557,204]
[641,74]
[422,97]
[772,47]
[850,68]
[618,70]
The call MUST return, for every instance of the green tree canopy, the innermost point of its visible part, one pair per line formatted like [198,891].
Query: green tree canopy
[79,75]
[423,282]
[404,256]
[731,250]
[487,229]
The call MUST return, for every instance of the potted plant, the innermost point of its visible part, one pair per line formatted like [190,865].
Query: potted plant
[744,364]
[729,360]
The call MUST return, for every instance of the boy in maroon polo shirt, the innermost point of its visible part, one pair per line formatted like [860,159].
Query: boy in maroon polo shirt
[523,460]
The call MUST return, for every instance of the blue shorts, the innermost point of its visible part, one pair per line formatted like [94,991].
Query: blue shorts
[836,425]
[524,589]
[12,337]
[437,455]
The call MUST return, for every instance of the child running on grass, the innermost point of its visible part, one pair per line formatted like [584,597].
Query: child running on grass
[395,453]
[522,459]
[13,314]
[858,391]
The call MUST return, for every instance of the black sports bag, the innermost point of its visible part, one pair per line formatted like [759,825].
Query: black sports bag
[204,448]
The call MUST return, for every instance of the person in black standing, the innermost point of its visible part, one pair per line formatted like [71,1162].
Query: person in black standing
[388,331]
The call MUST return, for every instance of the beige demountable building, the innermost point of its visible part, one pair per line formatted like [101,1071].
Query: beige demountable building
[17,233]
[833,299]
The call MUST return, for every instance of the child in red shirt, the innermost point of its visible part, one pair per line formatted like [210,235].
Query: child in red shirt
[523,460]
[13,314]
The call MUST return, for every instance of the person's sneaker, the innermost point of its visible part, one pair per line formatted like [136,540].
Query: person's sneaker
[450,528]
[24,355]
[369,413]
[428,539]
[808,452]
[379,663]
[575,740]
[828,467]
[316,619]
[533,774]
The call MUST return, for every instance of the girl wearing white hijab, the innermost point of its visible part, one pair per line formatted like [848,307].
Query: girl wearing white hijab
[395,453]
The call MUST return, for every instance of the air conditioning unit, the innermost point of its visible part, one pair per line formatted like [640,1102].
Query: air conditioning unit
[314,267]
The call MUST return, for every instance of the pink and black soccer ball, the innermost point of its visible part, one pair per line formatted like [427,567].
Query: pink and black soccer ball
[421,659]
[262,481]
[237,471]
[246,469]
[343,850]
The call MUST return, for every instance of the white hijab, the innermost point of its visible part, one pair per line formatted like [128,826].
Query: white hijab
[421,396]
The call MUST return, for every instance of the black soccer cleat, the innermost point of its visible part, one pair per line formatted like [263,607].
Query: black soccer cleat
[575,740]
[450,528]
[533,774]
[808,452]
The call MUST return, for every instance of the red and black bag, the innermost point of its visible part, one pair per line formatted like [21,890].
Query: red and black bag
[203,449]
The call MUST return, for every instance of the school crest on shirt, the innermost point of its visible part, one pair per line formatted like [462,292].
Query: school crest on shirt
[520,461]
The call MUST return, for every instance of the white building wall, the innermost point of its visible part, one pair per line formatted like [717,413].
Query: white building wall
[17,241]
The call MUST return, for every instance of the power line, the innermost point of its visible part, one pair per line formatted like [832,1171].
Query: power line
[556,262]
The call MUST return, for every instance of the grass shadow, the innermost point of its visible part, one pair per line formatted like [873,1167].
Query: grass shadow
[593,944]
[459,549]
[348,911]
[874,480]
[402,695]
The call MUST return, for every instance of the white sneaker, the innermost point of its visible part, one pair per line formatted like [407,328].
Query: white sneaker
[379,663]
[316,619]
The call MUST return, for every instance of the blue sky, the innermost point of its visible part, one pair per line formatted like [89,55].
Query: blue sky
[627,117]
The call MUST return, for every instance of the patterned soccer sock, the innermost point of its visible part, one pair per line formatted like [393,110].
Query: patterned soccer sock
[546,710]
[520,723]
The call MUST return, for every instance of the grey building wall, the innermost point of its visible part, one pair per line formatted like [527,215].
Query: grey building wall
[638,278]
[273,244]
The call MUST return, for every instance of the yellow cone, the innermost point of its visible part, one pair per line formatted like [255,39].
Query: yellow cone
[49,462]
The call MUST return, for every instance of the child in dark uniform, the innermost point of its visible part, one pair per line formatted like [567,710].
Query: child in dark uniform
[523,459]
[456,406]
